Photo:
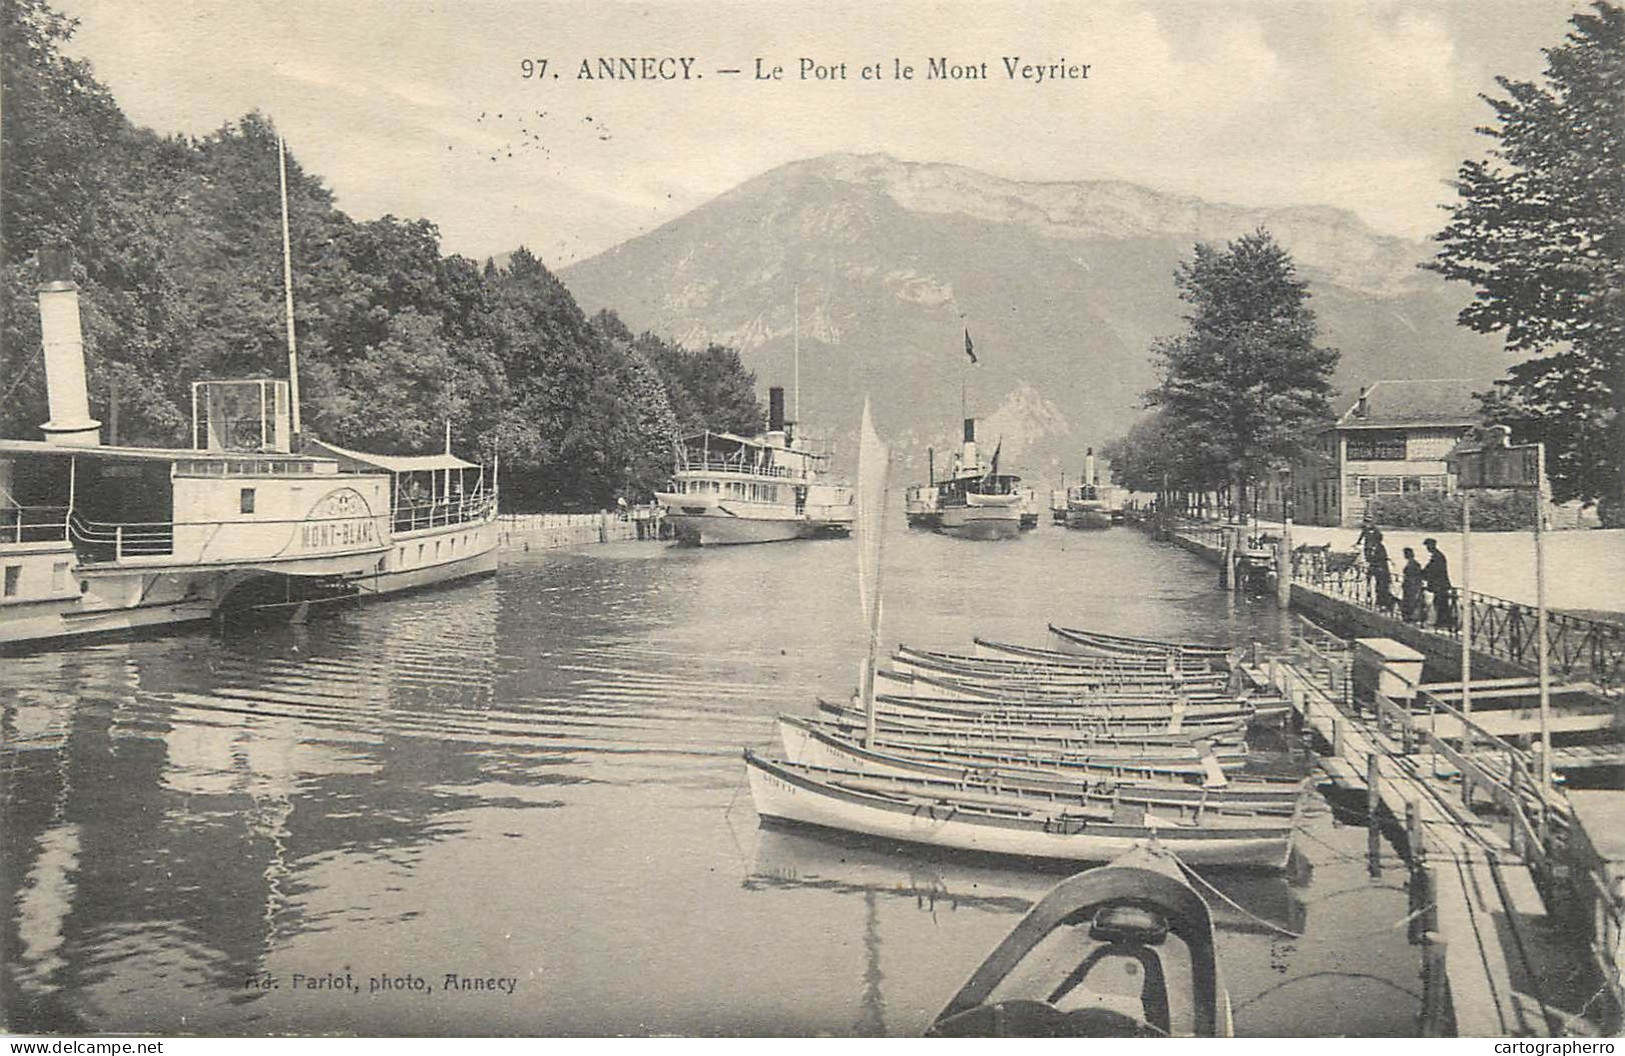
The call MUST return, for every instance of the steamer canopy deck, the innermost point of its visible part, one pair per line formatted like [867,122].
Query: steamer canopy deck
[762,489]
[95,539]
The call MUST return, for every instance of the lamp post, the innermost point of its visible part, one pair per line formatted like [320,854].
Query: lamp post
[1494,462]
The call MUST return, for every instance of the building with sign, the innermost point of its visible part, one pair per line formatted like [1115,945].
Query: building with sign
[1392,440]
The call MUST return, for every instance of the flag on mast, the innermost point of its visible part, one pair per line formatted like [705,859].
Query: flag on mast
[970,349]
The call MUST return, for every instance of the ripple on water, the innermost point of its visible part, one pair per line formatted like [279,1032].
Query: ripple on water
[538,775]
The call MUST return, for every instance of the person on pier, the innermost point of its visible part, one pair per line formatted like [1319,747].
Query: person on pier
[1411,607]
[1380,570]
[1437,577]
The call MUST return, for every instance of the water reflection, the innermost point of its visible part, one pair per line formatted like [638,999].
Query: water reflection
[537,777]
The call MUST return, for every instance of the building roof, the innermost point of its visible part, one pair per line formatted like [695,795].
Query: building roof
[1440,402]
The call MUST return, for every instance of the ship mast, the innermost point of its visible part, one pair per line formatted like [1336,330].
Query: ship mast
[795,404]
[287,292]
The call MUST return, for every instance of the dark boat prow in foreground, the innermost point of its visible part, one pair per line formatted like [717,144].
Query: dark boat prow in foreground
[1094,959]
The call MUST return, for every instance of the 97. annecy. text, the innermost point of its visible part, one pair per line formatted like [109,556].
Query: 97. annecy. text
[1010,68]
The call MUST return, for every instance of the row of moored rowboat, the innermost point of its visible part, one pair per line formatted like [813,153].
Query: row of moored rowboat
[1076,753]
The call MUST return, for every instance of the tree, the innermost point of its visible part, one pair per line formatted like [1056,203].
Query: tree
[1150,457]
[179,265]
[1539,232]
[1245,385]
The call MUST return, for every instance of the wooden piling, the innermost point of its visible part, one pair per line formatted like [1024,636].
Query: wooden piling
[1436,1016]
[1373,803]
[1415,838]
[1283,565]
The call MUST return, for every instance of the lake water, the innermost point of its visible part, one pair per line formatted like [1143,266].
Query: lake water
[537,778]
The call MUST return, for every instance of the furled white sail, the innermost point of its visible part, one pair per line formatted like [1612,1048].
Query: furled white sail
[874,465]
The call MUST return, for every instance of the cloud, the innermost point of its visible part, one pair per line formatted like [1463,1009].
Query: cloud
[1368,105]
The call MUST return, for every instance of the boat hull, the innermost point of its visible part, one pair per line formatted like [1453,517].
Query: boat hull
[980,522]
[802,744]
[1088,520]
[779,794]
[719,525]
[138,601]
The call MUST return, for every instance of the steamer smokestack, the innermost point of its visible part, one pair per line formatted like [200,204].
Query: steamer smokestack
[69,399]
[1089,467]
[778,434]
[967,460]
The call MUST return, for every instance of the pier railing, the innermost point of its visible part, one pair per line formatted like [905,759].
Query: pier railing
[1574,644]
[1504,629]
[1206,534]
[1537,817]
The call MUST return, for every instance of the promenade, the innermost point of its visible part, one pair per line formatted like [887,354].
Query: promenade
[1585,568]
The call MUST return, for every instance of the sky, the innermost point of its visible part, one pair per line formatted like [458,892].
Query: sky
[425,109]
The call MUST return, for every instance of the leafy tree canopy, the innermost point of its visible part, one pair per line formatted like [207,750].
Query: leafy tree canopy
[1539,232]
[1245,386]
[179,253]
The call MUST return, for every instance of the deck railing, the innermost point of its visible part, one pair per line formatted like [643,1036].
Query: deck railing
[416,516]
[717,466]
[115,542]
[33,524]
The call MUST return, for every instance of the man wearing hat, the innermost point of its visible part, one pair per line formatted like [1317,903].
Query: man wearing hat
[1436,574]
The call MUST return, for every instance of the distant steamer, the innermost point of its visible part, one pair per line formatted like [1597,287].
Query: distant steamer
[767,488]
[973,501]
[1088,504]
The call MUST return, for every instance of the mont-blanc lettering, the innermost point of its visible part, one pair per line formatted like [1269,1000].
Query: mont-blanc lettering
[330,535]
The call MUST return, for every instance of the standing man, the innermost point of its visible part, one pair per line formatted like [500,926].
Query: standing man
[1410,604]
[1381,572]
[1436,574]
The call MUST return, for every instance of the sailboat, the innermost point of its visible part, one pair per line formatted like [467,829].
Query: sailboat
[986,816]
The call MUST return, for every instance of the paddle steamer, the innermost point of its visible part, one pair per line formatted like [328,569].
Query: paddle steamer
[101,538]
[976,501]
[1091,504]
[762,489]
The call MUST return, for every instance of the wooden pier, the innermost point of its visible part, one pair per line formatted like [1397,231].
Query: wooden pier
[1478,832]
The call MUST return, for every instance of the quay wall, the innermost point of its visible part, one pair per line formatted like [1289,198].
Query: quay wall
[1211,554]
[547,531]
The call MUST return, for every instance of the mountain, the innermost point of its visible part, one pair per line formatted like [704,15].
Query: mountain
[1063,287]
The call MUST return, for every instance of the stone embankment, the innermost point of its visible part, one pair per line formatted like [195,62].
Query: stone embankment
[546,531]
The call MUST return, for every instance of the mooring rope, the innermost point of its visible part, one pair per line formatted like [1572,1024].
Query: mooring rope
[1271,925]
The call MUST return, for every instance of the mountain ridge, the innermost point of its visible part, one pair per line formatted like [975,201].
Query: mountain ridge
[1064,286]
